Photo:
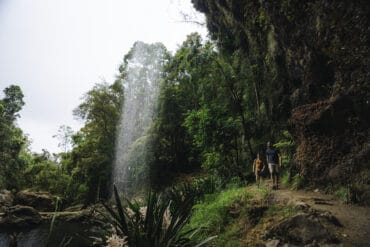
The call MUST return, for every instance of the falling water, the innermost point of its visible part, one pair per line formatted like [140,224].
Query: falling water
[142,71]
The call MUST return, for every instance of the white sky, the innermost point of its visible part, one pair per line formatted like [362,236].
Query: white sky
[56,50]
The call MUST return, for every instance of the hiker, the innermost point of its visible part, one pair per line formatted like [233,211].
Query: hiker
[258,168]
[273,160]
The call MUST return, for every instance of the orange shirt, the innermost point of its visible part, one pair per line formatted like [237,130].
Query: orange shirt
[258,165]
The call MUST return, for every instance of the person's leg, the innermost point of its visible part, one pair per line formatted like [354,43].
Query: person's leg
[274,175]
[277,176]
[271,170]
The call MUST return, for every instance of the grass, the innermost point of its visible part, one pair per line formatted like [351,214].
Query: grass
[213,213]
[226,213]
[237,215]
[280,211]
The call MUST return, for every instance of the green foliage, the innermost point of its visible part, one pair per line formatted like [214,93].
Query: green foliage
[298,182]
[89,163]
[64,135]
[12,140]
[12,103]
[152,225]
[46,175]
[202,113]
[263,19]
[286,179]
[196,189]
[212,214]
[343,193]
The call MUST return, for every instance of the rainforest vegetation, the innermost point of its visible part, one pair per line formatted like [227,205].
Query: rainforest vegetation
[292,73]
[209,121]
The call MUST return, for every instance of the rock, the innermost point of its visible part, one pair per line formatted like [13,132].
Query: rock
[272,243]
[6,199]
[255,214]
[41,201]
[330,218]
[301,229]
[18,216]
[301,206]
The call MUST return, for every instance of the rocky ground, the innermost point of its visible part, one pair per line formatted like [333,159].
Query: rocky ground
[306,218]
[354,221]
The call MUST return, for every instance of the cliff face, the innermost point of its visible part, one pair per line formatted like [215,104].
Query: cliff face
[316,56]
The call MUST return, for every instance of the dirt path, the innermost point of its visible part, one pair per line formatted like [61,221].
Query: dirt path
[355,219]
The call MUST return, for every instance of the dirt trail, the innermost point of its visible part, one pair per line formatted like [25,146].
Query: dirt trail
[355,219]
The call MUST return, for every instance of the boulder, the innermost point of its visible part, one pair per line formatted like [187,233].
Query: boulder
[41,201]
[18,217]
[272,243]
[6,199]
[302,229]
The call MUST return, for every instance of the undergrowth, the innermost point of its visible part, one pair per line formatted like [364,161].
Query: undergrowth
[286,179]
[225,213]
[342,193]
[212,214]
[294,183]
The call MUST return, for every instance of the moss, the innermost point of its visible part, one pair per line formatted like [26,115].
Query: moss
[288,8]
[280,211]
[272,44]
[263,19]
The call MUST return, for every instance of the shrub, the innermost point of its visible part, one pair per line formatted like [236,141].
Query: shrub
[298,182]
[286,179]
[153,224]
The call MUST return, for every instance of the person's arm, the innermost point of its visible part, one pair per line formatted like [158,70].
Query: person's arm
[254,165]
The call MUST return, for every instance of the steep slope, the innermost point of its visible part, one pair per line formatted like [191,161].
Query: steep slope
[314,57]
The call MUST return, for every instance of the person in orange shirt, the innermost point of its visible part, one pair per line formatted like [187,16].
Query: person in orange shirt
[258,168]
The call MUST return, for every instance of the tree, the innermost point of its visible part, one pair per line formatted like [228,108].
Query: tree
[91,159]
[11,138]
[64,136]
[42,173]
[197,125]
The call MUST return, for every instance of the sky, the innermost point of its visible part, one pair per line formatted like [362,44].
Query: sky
[56,50]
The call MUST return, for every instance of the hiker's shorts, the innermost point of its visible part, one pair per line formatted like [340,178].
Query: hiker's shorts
[259,173]
[274,168]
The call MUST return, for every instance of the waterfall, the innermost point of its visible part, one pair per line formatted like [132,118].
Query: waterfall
[140,75]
